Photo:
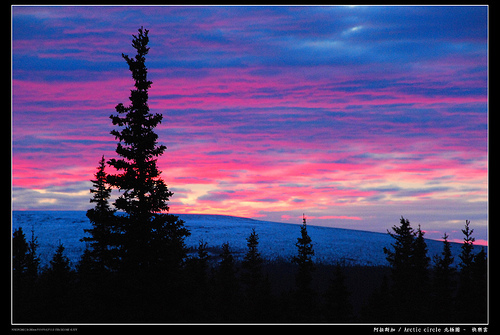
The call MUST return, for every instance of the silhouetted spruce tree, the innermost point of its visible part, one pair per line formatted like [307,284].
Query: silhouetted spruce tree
[443,284]
[304,259]
[60,270]
[25,263]
[226,287]
[19,275]
[402,265]
[57,286]
[305,296]
[150,238]
[467,255]
[421,285]
[400,258]
[226,272]
[338,307]
[104,240]
[252,263]
[420,258]
[466,294]
[19,256]
[196,296]
[252,278]
[33,261]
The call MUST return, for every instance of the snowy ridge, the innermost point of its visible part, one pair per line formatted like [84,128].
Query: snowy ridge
[276,240]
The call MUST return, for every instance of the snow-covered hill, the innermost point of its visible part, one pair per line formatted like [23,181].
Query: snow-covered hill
[275,239]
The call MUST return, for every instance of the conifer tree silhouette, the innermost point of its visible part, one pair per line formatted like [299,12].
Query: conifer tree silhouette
[252,277]
[443,284]
[149,237]
[467,256]
[400,258]
[25,263]
[305,296]
[403,262]
[104,240]
[252,263]
[420,291]
[33,261]
[466,294]
[304,258]
[19,256]
[60,269]
[226,286]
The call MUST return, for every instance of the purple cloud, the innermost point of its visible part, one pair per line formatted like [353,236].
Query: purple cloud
[365,112]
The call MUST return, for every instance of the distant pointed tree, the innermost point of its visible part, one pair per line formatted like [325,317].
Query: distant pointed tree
[103,240]
[25,263]
[58,284]
[196,282]
[400,257]
[467,256]
[148,233]
[401,260]
[256,288]
[252,263]
[202,264]
[59,273]
[226,272]
[304,258]
[19,255]
[421,283]
[466,294]
[32,260]
[443,284]
[304,295]
[420,258]
[60,265]
[226,286]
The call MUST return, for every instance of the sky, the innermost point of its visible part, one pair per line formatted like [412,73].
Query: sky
[353,115]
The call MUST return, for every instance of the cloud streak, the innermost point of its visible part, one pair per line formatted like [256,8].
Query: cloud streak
[353,115]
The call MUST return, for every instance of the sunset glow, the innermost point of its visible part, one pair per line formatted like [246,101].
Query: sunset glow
[352,115]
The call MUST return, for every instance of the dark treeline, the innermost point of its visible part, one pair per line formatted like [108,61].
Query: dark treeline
[215,287]
[136,267]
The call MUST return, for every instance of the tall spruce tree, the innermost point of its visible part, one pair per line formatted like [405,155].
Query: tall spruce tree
[466,294]
[305,309]
[420,292]
[150,237]
[410,273]
[33,261]
[443,284]
[25,261]
[103,240]
[400,258]
[420,258]
[226,286]
[252,263]
[19,255]
[304,258]
[253,280]
[467,256]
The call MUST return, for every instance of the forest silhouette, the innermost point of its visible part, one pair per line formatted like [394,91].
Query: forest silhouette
[136,267]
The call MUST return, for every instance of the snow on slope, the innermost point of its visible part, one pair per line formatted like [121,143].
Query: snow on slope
[276,240]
